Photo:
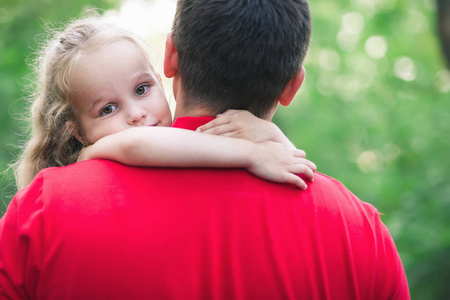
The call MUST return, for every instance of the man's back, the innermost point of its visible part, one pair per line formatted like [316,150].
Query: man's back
[118,232]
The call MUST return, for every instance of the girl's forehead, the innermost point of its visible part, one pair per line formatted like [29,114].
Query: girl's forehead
[99,43]
[121,60]
[125,42]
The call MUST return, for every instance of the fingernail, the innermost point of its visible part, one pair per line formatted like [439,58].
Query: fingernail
[198,130]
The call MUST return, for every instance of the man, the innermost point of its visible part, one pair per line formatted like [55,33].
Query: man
[102,230]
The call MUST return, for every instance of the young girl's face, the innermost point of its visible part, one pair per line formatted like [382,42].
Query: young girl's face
[114,89]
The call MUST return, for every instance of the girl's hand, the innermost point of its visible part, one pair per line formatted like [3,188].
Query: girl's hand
[278,163]
[243,124]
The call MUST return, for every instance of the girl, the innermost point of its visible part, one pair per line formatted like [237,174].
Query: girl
[98,89]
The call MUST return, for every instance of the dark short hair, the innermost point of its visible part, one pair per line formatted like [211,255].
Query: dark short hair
[239,54]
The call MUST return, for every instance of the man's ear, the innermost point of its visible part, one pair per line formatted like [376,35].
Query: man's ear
[72,129]
[170,58]
[292,87]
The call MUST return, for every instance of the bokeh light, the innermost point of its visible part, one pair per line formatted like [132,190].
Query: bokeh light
[376,47]
[404,68]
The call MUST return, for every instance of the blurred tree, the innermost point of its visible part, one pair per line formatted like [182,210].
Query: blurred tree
[444,27]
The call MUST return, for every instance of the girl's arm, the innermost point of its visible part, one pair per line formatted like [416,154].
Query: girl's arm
[174,147]
[243,124]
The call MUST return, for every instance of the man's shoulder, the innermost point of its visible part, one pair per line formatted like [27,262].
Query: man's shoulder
[92,165]
[55,178]
[85,171]
[332,195]
[97,176]
[324,181]
[94,175]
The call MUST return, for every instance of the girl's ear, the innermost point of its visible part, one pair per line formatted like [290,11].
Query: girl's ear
[74,131]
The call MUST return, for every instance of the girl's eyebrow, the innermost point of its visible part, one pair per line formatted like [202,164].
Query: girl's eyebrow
[95,103]
[144,75]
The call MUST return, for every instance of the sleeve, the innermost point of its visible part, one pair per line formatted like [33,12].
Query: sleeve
[20,244]
[391,277]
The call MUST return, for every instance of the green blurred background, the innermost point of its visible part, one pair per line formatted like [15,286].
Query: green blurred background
[374,113]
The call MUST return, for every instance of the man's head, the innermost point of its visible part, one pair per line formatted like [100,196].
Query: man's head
[238,54]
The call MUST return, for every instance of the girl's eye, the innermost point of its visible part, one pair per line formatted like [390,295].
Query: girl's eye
[108,109]
[142,89]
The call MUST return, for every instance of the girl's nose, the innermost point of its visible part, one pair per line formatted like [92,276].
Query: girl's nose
[137,116]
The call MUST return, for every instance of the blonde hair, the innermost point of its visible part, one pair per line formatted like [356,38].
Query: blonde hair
[51,144]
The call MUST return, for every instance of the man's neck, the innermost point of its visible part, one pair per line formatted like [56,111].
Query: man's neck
[200,111]
[193,112]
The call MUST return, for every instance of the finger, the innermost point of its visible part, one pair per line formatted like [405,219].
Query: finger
[304,170]
[295,180]
[214,123]
[231,134]
[229,112]
[310,164]
[299,153]
[220,130]
[304,161]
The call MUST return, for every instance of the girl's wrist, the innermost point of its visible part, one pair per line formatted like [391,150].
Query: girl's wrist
[279,137]
[252,154]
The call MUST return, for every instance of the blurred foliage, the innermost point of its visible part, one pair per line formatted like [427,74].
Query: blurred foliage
[374,113]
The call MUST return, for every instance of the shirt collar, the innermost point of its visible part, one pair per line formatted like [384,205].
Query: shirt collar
[191,123]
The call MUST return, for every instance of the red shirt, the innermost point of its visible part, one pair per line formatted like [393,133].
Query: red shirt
[101,230]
